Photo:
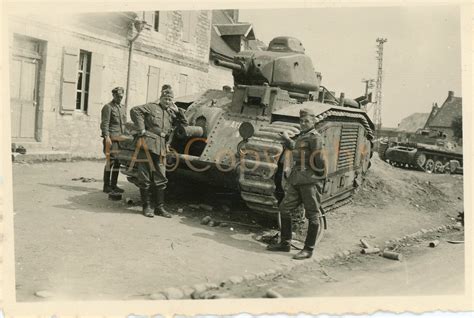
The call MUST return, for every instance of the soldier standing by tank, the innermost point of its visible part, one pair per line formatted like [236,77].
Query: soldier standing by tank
[304,184]
[113,119]
[155,121]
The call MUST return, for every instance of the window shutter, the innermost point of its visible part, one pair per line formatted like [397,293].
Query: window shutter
[193,25]
[153,84]
[149,17]
[68,85]
[95,86]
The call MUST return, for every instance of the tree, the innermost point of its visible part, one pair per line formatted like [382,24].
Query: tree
[457,127]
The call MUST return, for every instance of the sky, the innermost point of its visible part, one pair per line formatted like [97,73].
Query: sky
[421,60]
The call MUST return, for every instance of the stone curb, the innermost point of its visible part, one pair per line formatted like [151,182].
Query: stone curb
[195,291]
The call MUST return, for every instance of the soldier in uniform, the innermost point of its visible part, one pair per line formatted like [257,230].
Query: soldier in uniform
[155,121]
[304,184]
[113,119]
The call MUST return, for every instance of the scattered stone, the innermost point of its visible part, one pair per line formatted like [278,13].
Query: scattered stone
[231,228]
[346,253]
[43,294]
[433,243]
[235,279]
[206,207]
[205,220]
[250,277]
[157,296]
[260,275]
[272,294]
[194,206]
[457,227]
[199,288]
[392,255]
[364,243]
[424,231]
[211,286]
[214,295]
[187,290]
[180,210]
[371,250]
[223,224]
[225,208]
[270,272]
[210,223]
[387,243]
[173,293]
[196,295]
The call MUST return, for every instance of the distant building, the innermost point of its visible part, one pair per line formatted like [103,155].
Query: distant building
[441,118]
[63,68]
[413,122]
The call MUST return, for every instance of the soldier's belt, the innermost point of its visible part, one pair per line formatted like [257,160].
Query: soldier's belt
[155,136]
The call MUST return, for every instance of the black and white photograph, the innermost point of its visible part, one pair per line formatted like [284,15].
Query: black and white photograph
[223,153]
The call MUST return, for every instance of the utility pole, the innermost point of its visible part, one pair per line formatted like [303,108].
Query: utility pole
[378,88]
[369,83]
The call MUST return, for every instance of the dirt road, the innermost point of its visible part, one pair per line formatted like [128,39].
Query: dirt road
[422,271]
[73,242]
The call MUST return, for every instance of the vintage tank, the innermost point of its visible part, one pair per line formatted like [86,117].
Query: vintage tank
[233,140]
[427,150]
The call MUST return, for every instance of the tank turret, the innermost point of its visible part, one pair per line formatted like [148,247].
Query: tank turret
[282,65]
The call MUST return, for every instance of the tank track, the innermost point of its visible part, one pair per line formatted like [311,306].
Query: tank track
[258,175]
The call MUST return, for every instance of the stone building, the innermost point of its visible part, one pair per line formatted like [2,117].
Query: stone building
[63,68]
[441,118]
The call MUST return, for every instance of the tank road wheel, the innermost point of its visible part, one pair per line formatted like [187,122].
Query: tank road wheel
[429,166]
[420,159]
[438,168]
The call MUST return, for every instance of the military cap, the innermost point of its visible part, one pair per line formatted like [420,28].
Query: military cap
[167,93]
[117,89]
[166,86]
[307,112]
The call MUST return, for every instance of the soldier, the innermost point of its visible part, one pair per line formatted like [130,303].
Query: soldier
[112,124]
[155,121]
[304,184]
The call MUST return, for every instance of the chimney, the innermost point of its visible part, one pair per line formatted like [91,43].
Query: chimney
[450,95]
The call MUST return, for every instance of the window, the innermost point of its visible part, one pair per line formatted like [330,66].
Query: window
[187,25]
[183,85]
[156,22]
[152,18]
[83,77]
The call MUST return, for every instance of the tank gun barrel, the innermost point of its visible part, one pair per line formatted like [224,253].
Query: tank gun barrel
[230,65]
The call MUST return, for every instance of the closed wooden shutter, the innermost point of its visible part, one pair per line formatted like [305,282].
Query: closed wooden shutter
[95,88]
[149,17]
[153,84]
[69,78]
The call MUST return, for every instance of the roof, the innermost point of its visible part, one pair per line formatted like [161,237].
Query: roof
[243,29]
[223,25]
[413,122]
[218,45]
[451,109]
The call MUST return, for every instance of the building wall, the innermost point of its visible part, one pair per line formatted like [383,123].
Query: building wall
[105,36]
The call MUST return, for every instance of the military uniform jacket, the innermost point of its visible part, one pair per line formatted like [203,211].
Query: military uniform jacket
[309,162]
[113,119]
[158,123]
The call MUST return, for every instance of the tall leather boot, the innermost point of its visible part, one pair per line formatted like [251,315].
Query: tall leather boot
[114,178]
[286,235]
[309,243]
[159,195]
[107,188]
[146,204]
